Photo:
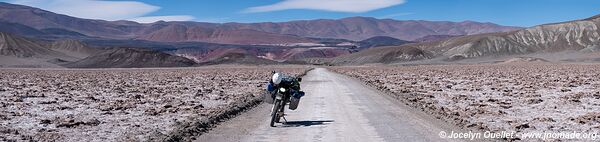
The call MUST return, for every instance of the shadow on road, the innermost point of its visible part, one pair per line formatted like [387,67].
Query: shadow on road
[306,123]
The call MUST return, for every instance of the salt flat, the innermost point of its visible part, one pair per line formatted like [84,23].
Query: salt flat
[120,104]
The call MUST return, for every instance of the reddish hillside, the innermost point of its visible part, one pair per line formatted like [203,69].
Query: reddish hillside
[360,28]
[182,33]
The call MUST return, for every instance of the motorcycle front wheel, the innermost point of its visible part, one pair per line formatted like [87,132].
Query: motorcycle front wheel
[274,112]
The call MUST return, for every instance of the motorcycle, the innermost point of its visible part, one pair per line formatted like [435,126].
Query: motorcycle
[284,96]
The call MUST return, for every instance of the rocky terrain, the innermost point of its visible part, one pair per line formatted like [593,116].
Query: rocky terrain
[124,104]
[535,97]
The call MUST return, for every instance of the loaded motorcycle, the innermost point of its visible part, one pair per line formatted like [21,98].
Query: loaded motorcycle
[284,95]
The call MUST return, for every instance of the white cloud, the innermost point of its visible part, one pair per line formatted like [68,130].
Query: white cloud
[352,6]
[151,19]
[93,9]
[99,9]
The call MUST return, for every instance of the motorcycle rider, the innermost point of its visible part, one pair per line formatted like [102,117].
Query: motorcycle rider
[280,80]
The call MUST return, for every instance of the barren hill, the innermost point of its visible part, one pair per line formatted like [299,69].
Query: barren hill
[74,48]
[131,58]
[387,54]
[15,46]
[576,36]
[17,51]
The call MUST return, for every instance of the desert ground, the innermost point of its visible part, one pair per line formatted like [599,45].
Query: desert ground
[124,104]
[184,103]
[523,97]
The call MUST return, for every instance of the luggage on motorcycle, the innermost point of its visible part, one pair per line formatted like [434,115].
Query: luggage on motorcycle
[294,103]
[268,97]
[295,99]
[298,94]
[270,87]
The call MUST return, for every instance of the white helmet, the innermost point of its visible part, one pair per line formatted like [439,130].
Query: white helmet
[277,78]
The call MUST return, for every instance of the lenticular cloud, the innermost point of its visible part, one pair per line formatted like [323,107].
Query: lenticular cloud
[93,9]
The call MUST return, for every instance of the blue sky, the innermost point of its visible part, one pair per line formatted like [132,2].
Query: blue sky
[505,12]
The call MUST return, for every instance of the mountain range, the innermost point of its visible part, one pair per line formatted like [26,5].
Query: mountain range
[567,41]
[32,37]
[353,28]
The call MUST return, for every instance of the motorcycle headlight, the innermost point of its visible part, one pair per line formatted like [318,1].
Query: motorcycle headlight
[282,90]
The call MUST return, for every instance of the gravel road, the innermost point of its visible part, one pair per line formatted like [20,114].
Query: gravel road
[335,108]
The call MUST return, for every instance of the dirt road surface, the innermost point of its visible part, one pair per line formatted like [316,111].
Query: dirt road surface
[335,108]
